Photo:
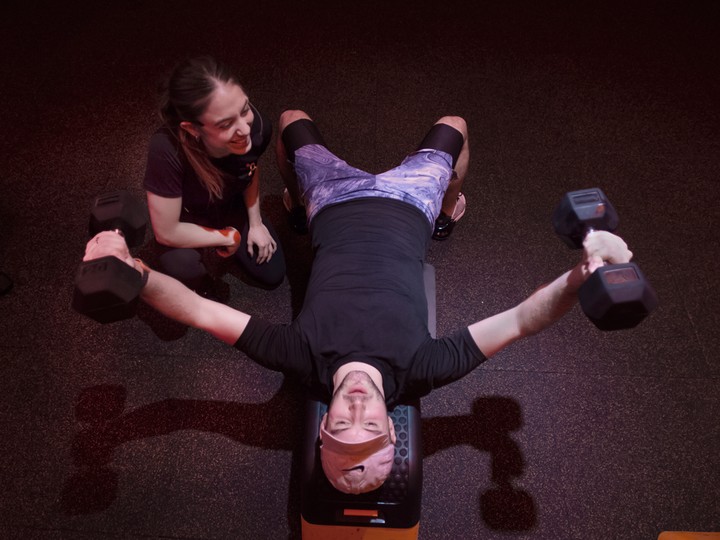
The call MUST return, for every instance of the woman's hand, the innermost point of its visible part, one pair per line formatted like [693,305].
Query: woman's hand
[259,237]
[233,236]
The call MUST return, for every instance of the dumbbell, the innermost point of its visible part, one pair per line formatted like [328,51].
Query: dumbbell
[615,296]
[107,289]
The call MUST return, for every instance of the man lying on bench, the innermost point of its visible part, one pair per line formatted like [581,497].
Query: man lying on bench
[361,338]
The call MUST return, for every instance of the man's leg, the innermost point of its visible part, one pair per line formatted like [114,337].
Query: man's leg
[460,164]
[285,153]
[318,177]
[450,135]
[284,164]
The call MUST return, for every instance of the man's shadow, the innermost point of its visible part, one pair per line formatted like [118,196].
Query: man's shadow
[276,424]
[105,426]
[503,507]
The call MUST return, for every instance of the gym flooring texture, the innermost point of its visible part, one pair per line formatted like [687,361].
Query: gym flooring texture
[145,429]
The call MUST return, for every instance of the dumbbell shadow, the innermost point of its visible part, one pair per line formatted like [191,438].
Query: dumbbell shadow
[107,426]
[503,507]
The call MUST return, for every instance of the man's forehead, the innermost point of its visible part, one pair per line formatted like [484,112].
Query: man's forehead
[366,447]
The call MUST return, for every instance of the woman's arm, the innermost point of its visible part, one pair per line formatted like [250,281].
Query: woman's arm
[258,235]
[170,231]
[252,199]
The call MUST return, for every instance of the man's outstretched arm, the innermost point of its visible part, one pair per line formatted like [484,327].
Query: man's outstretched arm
[551,301]
[170,297]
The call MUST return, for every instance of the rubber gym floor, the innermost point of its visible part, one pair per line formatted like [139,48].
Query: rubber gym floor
[144,429]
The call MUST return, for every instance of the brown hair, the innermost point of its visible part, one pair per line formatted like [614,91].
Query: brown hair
[184,97]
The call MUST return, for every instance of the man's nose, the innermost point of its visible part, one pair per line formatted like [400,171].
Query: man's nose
[357,405]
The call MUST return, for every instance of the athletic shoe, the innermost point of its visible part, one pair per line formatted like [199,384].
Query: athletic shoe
[297,216]
[445,224]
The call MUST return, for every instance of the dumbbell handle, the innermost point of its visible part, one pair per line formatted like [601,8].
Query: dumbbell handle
[116,231]
[587,231]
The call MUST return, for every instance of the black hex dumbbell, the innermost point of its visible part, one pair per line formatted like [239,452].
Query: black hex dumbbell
[107,289]
[615,296]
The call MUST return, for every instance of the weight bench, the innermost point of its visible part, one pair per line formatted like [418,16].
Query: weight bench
[390,512]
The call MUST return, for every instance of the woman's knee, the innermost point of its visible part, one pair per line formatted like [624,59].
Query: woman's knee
[269,275]
[183,263]
[273,279]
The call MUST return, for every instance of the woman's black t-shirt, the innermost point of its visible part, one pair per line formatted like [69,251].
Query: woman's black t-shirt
[169,174]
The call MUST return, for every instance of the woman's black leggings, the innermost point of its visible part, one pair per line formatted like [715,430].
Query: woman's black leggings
[187,266]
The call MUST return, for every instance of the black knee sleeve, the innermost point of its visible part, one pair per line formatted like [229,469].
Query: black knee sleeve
[446,138]
[298,134]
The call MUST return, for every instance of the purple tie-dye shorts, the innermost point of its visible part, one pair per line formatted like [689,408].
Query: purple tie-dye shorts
[325,179]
